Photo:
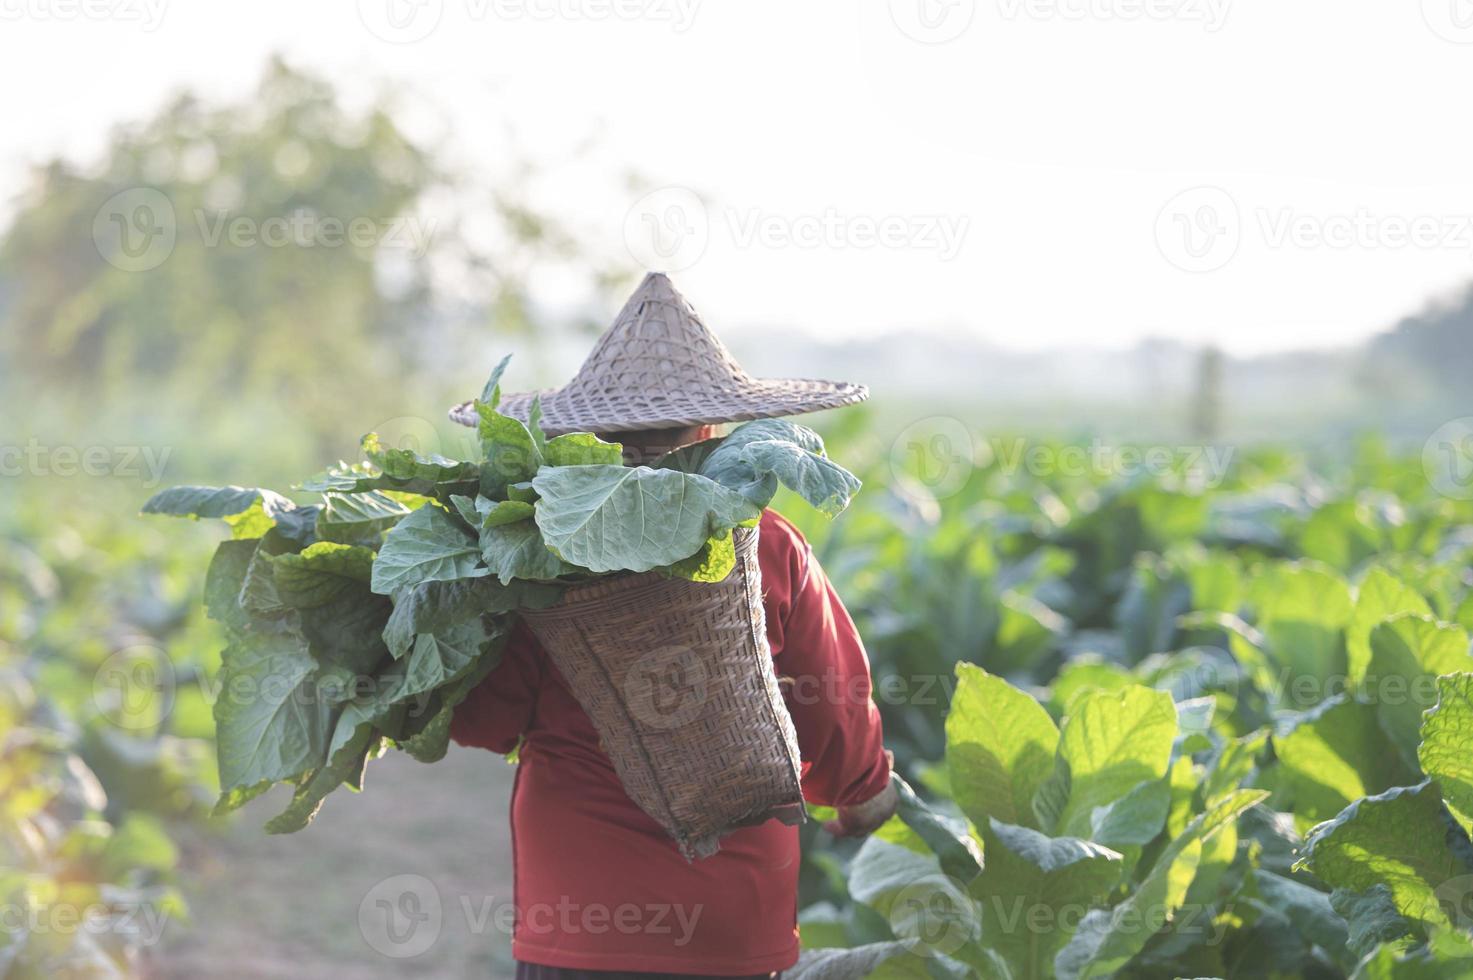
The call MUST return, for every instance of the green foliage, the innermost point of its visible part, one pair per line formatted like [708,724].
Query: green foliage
[1223,759]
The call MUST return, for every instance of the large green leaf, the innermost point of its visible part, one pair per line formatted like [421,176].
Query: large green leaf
[346,633]
[1308,908]
[219,502]
[427,546]
[1446,750]
[582,449]
[435,606]
[1000,746]
[1332,757]
[615,518]
[1108,939]
[1381,595]
[1031,890]
[955,850]
[353,518]
[713,563]
[1408,653]
[415,469]
[1111,744]
[920,901]
[345,764]
[439,658]
[510,453]
[1447,955]
[224,579]
[759,455]
[271,725]
[846,964]
[1370,917]
[258,592]
[430,742]
[1403,839]
[1303,608]
[518,552]
[321,573]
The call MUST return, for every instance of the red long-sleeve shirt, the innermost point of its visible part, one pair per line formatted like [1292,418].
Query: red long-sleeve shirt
[598,884]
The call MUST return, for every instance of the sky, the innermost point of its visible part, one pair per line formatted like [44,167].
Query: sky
[1256,174]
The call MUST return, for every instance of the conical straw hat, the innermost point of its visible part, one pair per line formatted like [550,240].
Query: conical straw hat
[660,367]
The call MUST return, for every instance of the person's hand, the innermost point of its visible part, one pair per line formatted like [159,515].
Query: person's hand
[861,819]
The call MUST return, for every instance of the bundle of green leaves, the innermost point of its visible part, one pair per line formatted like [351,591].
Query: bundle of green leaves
[361,621]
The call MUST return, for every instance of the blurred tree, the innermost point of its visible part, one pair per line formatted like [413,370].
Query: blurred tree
[1432,350]
[238,303]
[1207,395]
[278,250]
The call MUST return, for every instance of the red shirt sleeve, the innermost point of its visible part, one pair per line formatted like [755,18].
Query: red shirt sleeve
[825,676]
[499,709]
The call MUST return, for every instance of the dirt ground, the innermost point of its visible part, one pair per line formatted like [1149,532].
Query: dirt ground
[412,877]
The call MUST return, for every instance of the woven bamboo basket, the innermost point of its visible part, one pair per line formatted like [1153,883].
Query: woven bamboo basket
[677,678]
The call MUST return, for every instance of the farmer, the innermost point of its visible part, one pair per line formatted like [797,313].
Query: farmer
[600,889]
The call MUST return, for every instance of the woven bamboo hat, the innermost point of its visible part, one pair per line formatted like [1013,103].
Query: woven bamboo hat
[660,367]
